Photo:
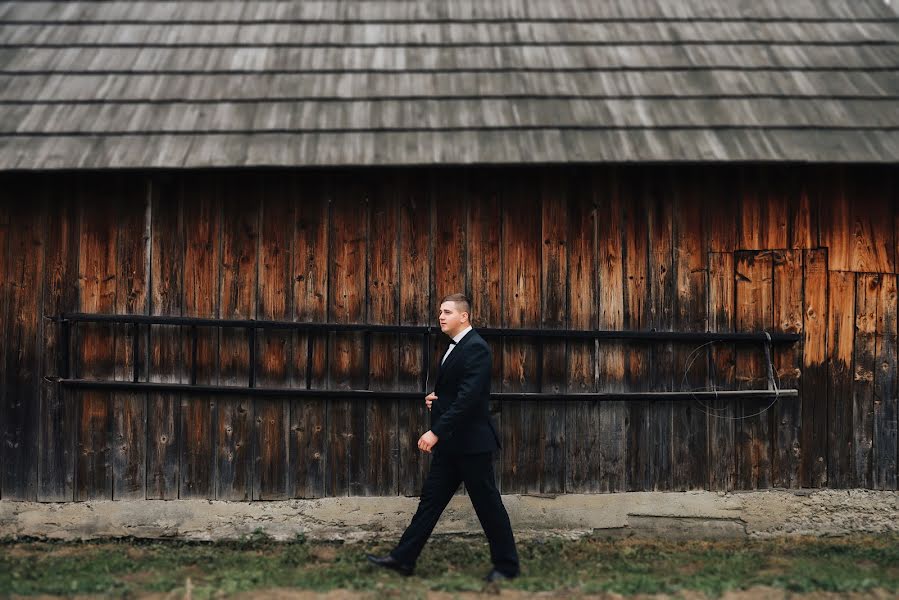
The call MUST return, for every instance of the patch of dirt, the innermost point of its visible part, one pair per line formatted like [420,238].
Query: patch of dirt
[324,553]
[138,577]
[776,565]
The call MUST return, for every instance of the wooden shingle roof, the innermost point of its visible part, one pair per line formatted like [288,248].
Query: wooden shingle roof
[389,82]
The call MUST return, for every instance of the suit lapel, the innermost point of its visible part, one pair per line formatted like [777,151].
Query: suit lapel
[453,356]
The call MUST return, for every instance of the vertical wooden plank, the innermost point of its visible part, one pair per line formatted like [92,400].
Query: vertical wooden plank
[57,467]
[167,364]
[97,275]
[129,409]
[236,416]
[763,210]
[857,218]
[873,203]
[450,235]
[484,237]
[554,315]
[308,450]
[813,388]
[583,439]
[414,309]
[660,203]
[721,201]
[885,388]
[803,224]
[721,414]
[721,208]
[612,192]
[642,448]
[447,190]
[521,300]
[485,276]
[690,429]
[840,330]
[274,294]
[381,444]
[202,230]
[6,291]
[19,433]
[347,298]
[867,295]
[754,306]
[787,367]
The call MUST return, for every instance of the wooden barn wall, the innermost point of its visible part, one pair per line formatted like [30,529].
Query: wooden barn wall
[687,248]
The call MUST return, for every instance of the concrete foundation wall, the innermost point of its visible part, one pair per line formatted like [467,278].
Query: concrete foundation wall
[670,514]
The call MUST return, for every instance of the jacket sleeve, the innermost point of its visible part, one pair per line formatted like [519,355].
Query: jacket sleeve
[475,377]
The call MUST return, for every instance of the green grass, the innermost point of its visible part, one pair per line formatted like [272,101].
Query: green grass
[131,567]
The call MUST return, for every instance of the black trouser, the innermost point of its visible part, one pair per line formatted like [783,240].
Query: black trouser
[446,473]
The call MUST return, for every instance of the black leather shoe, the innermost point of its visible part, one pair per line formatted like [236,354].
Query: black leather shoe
[495,576]
[388,562]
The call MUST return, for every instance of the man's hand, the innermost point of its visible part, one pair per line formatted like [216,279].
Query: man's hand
[429,399]
[427,441]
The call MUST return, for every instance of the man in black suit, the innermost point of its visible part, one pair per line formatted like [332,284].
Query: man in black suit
[463,439]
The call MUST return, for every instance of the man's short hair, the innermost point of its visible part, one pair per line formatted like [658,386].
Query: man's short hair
[461,300]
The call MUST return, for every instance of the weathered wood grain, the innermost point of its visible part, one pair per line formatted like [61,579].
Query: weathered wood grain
[788,304]
[754,312]
[583,425]
[660,197]
[485,277]
[857,217]
[98,200]
[274,293]
[202,254]
[764,211]
[814,382]
[521,301]
[308,433]
[690,428]
[19,425]
[129,456]
[415,308]
[582,247]
[886,389]
[721,414]
[450,204]
[167,362]
[840,337]
[5,293]
[867,309]
[803,226]
[643,450]
[721,209]
[56,469]
[236,419]
[611,361]
[346,304]
[381,476]
[553,315]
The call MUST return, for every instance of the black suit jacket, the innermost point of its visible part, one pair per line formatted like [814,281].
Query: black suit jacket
[460,417]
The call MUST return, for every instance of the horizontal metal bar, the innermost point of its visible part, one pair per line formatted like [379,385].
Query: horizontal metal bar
[396,395]
[687,336]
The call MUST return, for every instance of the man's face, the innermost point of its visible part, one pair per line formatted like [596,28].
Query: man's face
[451,320]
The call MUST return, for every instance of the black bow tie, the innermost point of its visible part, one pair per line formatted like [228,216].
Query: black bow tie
[452,343]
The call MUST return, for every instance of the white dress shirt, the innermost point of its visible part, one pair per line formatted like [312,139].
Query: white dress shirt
[456,339]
